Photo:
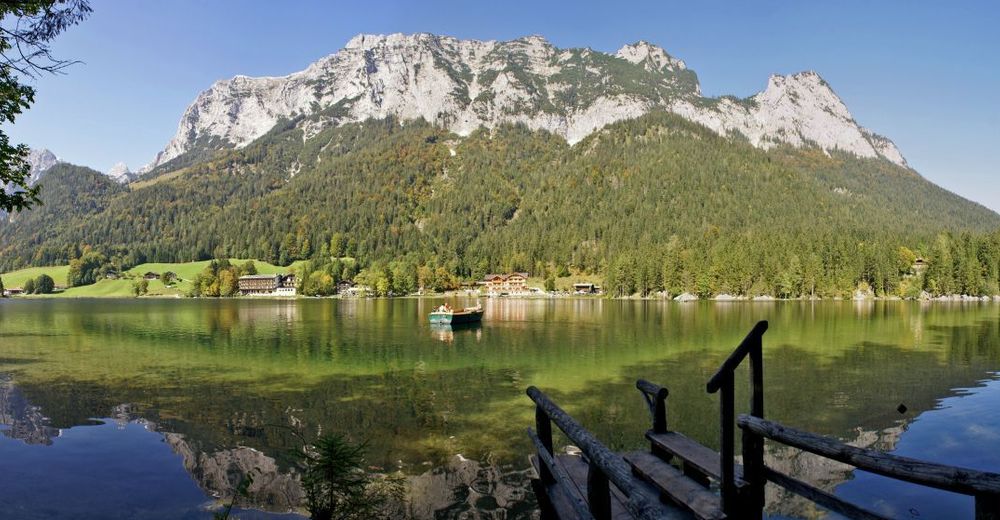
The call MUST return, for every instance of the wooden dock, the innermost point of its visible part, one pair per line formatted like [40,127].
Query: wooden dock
[680,478]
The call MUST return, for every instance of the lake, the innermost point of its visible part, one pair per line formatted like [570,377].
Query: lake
[155,408]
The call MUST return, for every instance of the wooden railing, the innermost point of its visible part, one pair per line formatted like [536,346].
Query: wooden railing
[605,467]
[982,485]
[656,400]
[747,495]
[744,498]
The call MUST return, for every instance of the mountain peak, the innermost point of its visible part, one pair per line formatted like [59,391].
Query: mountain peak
[120,172]
[40,160]
[652,57]
[463,85]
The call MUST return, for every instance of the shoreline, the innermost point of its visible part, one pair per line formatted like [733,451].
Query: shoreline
[956,298]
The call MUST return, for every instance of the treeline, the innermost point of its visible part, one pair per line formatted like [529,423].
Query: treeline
[965,264]
[654,204]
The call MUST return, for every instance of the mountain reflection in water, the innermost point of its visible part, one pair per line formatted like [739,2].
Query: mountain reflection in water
[212,387]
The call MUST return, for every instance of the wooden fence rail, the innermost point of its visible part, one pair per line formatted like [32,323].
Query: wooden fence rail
[605,466]
[611,480]
[982,485]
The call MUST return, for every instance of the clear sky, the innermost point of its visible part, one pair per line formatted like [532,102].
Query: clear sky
[926,74]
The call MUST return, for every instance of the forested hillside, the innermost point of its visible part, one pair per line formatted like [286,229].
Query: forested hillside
[654,203]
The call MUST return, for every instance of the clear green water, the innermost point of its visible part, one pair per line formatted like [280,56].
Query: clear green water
[226,374]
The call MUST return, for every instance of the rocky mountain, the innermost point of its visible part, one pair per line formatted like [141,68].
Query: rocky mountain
[40,160]
[462,85]
[121,173]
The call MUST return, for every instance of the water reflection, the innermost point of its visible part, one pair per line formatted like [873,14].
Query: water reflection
[446,333]
[217,379]
[19,419]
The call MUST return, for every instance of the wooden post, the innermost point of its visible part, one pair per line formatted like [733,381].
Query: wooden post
[660,415]
[727,446]
[598,493]
[656,399]
[757,378]
[987,507]
[753,473]
[543,427]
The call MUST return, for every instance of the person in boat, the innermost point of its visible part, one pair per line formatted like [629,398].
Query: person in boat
[444,308]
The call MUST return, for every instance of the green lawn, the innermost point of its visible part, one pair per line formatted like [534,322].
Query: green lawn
[17,278]
[122,287]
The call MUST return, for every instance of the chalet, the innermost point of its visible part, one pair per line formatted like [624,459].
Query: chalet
[13,291]
[919,265]
[344,286]
[502,284]
[585,288]
[359,291]
[111,275]
[286,287]
[150,275]
[267,285]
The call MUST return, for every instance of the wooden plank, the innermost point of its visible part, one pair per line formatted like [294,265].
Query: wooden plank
[820,497]
[562,493]
[949,478]
[577,468]
[701,458]
[678,488]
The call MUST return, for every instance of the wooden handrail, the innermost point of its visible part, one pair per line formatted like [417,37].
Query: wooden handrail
[656,400]
[617,471]
[752,339]
[940,476]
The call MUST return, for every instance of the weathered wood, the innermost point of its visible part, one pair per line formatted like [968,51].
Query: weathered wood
[640,503]
[734,359]
[727,480]
[564,500]
[598,493]
[753,475]
[699,457]
[819,496]
[757,377]
[674,485]
[987,507]
[544,428]
[577,468]
[949,478]
[656,399]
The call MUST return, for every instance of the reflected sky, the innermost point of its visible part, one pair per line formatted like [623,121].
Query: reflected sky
[233,374]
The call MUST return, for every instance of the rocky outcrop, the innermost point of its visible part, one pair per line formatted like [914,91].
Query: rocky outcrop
[121,173]
[467,84]
[40,160]
[800,110]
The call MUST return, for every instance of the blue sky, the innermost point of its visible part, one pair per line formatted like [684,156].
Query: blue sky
[926,74]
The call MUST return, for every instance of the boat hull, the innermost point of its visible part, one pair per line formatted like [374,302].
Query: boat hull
[456,318]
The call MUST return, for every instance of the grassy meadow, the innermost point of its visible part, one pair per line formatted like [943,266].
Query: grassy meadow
[122,287]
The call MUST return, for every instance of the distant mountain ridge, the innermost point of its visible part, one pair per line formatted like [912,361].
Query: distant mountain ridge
[463,85]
